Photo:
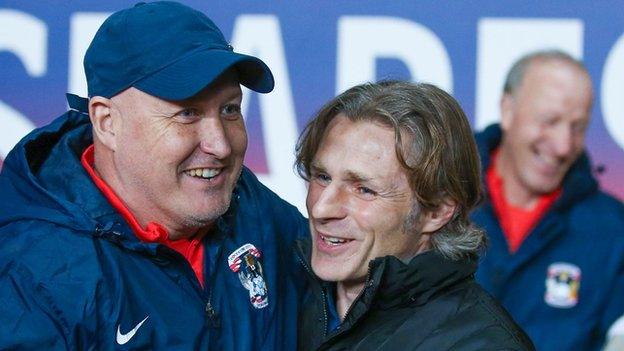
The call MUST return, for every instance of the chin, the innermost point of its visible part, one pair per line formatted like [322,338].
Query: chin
[328,276]
[203,216]
[327,271]
[547,186]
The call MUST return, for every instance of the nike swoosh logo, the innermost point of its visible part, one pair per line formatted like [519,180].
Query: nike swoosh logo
[124,338]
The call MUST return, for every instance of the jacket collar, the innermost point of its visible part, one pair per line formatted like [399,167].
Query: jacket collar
[392,282]
[578,183]
[417,281]
[42,177]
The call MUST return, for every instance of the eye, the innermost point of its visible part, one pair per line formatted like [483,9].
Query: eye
[321,178]
[550,121]
[231,111]
[365,192]
[188,115]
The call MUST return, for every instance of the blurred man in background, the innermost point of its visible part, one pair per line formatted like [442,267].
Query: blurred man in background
[556,258]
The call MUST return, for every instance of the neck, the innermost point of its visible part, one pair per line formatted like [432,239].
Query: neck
[142,215]
[514,192]
[346,293]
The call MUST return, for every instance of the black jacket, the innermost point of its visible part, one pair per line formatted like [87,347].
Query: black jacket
[431,303]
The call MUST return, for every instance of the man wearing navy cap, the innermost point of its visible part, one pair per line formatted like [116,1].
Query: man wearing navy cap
[130,221]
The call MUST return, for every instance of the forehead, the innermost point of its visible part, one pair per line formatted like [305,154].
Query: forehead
[358,147]
[555,88]
[559,80]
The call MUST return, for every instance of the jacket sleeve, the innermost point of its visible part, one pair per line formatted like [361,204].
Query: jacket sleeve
[303,227]
[27,320]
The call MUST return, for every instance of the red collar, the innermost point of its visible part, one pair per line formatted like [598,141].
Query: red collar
[191,249]
[153,232]
[515,222]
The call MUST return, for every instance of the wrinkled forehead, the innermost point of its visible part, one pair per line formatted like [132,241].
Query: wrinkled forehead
[360,150]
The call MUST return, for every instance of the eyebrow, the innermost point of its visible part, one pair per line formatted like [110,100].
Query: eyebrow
[354,176]
[316,168]
[351,176]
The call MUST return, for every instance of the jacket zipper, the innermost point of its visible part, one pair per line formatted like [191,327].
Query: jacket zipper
[366,285]
[323,295]
[213,317]
[189,273]
[339,330]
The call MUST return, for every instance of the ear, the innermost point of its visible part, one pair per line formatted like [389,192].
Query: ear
[507,111]
[436,219]
[100,113]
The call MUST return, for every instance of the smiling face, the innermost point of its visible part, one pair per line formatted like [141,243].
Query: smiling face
[544,124]
[359,201]
[177,162]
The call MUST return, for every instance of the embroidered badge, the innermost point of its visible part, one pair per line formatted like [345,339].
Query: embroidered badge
[563,281]
[245,261]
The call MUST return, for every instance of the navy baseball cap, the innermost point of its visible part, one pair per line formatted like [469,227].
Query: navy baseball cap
[167,50]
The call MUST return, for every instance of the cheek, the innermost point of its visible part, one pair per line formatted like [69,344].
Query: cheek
[237,136]
[579,144]
[130,135]
[384,228]
[524,136]
[314,191]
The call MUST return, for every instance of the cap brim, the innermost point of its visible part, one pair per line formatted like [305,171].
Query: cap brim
[188,76]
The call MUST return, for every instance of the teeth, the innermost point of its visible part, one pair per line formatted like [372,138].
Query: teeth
[205,173]
[333,241]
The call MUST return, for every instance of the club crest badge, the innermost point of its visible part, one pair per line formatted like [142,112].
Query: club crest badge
[563,281]
[245,262]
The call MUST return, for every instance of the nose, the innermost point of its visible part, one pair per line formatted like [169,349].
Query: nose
[214,138]
[330,203]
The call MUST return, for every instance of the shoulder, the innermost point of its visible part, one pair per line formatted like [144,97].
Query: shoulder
[481,320]
[598,213]
[48,255]
[255,200]
[249,187]
[464,317]
[601,203]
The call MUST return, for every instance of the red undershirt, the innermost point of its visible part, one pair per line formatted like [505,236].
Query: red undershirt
[516,222]
[191,249]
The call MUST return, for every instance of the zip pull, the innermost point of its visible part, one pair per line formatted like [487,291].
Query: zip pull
[107,231]
[213,316]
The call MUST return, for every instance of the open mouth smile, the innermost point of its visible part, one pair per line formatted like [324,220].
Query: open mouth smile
[204,173]
[332,241]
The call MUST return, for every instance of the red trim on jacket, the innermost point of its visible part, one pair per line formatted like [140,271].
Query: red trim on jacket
[516,222]
[191,249]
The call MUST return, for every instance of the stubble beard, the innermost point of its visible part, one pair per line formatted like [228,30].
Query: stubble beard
[209,218]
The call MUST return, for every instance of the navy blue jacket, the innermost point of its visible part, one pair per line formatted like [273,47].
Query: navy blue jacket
[74,276]
[565,284]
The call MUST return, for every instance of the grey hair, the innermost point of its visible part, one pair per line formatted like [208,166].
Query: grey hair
[518,70]
[456,240]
